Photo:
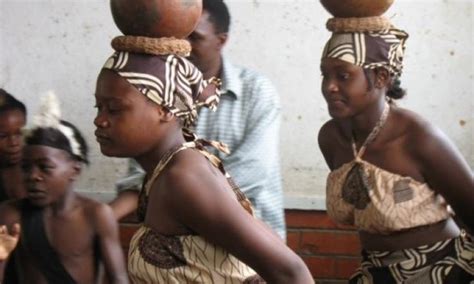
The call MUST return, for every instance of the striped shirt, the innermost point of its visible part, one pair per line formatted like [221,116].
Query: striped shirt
[248,121]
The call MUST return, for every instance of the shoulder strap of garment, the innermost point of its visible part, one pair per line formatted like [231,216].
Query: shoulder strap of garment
[35,241]
[199,144]
[372,135]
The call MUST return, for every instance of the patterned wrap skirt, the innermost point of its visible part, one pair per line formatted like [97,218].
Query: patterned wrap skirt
[449,261]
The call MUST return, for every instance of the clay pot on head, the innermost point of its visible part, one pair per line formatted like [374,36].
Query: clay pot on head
[156,18]
[356,8]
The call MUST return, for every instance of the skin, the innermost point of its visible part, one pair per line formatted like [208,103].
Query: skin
[73,223]
[408,145]
[11,145]
[8,240]
[207,45]
[190,192]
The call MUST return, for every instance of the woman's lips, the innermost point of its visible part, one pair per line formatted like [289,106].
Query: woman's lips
[102,138]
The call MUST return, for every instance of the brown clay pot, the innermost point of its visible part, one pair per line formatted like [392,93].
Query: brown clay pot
[356,8]
[156,18]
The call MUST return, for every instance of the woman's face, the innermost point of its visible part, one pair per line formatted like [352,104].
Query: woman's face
[126,120]
[11,140]
[48,173]
[345,88]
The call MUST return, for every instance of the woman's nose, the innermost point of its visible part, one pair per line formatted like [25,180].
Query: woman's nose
[329,86]
[100,121]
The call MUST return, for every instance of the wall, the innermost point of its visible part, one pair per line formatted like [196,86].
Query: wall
[61,45]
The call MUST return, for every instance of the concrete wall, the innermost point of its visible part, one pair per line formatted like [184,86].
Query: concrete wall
[61,45]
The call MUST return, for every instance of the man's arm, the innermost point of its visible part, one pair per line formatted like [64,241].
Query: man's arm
[111,251]
[127,191]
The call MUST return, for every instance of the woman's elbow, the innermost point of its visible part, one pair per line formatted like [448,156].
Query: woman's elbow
[295,271]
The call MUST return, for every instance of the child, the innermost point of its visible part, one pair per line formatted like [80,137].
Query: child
[12,120]
[64,236]
[197,225]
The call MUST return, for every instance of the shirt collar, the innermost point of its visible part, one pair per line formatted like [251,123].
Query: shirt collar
[230,80]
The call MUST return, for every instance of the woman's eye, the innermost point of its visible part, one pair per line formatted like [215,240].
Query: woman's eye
[344,76]
[114,110]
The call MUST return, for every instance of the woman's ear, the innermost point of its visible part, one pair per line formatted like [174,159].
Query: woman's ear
[382,78]
[165,114]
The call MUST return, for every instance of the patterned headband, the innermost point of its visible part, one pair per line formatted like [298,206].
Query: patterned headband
[169,80]
[369,49]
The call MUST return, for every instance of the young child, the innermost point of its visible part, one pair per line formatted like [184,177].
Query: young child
[64,236]
[197,225]
[12,120]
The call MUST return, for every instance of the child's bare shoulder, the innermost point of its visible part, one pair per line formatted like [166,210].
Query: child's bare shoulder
[95,210]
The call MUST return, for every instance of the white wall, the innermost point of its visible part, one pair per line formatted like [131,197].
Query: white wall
[61,45]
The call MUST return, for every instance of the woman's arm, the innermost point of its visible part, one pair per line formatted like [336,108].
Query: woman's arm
[111,251]
[445,170]
[201,200]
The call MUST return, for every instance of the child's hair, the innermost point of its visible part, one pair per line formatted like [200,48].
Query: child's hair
[54,137]
[9,102]
[50,130]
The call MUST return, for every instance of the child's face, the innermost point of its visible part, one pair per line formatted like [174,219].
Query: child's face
[11,140]
[49,174]
[126,121]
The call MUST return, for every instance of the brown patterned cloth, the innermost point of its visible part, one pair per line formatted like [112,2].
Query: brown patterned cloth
[449,261]
[369,50]
[189,258]
[169,80]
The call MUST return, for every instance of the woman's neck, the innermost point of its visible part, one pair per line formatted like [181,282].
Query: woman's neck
[149,160]
[362,124]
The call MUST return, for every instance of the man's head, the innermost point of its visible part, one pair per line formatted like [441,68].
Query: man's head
[209,37]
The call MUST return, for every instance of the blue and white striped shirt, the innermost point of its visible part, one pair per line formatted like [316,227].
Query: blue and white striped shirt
[248,121]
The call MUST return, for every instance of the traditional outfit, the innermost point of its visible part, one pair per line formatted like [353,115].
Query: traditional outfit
[173,82]
[156,258]
[377,201]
